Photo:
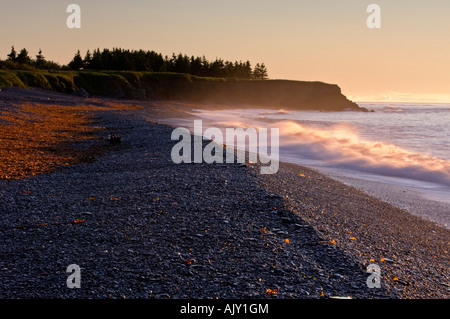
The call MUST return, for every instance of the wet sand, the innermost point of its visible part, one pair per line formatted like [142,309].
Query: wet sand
[403,197]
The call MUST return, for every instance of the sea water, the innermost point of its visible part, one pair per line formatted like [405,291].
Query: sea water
[404,144]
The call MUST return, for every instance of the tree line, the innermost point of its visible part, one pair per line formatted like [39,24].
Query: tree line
[22,60]
[140,60]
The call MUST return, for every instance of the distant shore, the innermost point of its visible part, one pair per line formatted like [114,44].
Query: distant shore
[141,226]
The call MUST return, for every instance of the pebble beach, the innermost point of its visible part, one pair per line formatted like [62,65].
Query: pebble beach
[141,226]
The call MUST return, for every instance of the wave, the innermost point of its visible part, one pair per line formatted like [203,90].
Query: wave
[279,112]
[341,146]
[391,109]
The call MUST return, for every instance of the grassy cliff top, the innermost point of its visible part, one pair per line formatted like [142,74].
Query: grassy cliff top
[177,86]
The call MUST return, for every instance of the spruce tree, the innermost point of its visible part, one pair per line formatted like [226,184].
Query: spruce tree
[263,71]
[40,60]
[131,60]
[87,60]
[23,57]
[96,61]
[260,72]
[77,62]
[12,56]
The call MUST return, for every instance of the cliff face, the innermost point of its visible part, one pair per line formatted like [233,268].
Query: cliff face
[183,87]
[269,93]
[241,93]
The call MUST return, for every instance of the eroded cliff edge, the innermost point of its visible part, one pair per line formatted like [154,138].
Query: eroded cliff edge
[287,94]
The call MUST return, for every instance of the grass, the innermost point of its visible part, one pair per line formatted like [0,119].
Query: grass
[9,79]
[110,83]
[58,81]
[185,87]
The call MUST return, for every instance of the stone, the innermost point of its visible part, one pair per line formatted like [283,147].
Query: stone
[82,93]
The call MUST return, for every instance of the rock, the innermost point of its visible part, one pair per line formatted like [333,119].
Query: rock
[401,281]
[136,94]
[386,260]
[131,244]
[82,93]
[114,139]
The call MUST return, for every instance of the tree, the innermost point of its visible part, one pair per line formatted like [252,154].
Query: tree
[23,57]
[248,73]
[13,55]
[40,60]
[264,72]
[96,61]
[132,60]
[77,62]
[196,65]
[181,63]
[216,68]
[260,71]
[87,60]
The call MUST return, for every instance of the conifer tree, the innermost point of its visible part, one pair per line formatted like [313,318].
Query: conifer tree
[23,57]
[260,71]
[87,59]
[132,60]
[12,56]
[77,62]
[40,60]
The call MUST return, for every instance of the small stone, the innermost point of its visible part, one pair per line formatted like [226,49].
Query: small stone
[114,139]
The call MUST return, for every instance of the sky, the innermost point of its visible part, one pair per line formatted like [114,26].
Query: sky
[407,59]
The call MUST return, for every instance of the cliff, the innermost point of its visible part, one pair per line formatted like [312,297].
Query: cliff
[183,87]
[272,93]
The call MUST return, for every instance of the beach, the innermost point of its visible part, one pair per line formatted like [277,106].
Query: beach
[141,226]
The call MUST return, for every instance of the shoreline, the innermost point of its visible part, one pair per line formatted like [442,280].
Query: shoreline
[403,197]
[148,228]
[370,229]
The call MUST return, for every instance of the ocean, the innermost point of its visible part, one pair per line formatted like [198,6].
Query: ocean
[399,144]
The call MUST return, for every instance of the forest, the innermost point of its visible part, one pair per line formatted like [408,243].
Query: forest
[118,59]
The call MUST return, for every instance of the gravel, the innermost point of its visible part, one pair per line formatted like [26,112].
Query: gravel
[140,226]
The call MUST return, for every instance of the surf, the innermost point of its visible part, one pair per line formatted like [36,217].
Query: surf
[381,146]
[341,146]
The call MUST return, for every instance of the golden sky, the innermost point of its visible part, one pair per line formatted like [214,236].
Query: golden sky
[407,59]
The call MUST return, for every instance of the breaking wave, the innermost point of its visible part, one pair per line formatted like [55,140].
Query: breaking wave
[341,146]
